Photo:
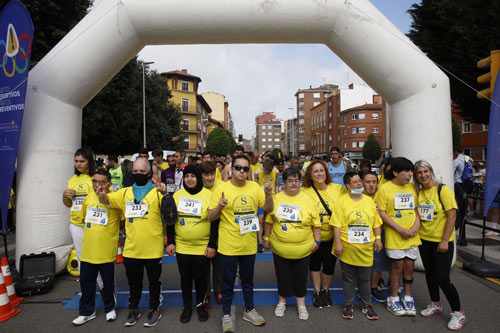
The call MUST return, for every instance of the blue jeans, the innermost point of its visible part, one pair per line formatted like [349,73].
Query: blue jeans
[88,276]
[229,267]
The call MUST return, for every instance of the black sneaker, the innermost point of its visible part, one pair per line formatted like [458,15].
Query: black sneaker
[186,314]
[348,312]
[380,284]
[318,300]
[132,317]
[260,248]
[378,295]
[202,313]
[325,295]
[369,312]
[154,317]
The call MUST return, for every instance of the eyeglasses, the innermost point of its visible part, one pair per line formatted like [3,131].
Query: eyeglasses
[293,181]
[239,168]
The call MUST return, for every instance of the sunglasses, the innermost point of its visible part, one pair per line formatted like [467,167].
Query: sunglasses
[239,168]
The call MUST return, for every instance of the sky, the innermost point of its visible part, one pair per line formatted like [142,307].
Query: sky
[281,70]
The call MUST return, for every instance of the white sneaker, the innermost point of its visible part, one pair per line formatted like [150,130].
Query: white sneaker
[303,314]
[111,315]
[279,311]
[431,310]
[409,306]
[254,317]
[457,321]
[80,320]
[395,307]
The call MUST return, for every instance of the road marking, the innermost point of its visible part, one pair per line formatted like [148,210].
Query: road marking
[494,280]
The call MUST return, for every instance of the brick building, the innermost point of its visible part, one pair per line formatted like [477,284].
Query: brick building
[474,138]
[306,100]
[268,132]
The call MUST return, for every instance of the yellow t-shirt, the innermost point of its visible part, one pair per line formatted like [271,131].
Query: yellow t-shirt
[433,230]
[82,184]
[293,239]
[263,178]
[355,217]
[192,231]
[255,167]
[145,236]
[11,194]
[330,196]
[381,180]
[100,242]
[214,186]
[385,199]
[218,176]
[241,201]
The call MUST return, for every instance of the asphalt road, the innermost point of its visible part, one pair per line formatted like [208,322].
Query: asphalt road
[479,298]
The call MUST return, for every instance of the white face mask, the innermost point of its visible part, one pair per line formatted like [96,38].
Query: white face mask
[357,191]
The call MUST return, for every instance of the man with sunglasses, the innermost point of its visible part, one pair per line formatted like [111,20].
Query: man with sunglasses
[236,203]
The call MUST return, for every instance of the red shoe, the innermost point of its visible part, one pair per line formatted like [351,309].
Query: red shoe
[218,297]
[208,305]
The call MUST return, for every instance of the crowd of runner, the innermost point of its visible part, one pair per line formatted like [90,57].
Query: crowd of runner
[215,214]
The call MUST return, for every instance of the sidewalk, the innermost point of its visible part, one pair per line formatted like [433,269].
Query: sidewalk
[472,251]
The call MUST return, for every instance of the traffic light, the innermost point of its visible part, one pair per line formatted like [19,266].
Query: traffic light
[493,62]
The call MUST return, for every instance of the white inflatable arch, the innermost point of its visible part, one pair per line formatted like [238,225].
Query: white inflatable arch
[72,73]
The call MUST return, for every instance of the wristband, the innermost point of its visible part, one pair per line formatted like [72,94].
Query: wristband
[378,237]
[266,238]
[318,242]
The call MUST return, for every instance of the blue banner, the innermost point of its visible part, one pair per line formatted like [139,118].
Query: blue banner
[16,36]
[492,182]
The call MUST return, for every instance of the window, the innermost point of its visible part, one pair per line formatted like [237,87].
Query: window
[330,137]
[361,130]
[186,139]
[345,132]
[325,95]
[345,145]
[330,114]
[354,144]
[301,138]
[354,130]
[354,116]
[301,95]
[269,133]
[301,104]
[185,85]
[345,119]
[276,146]
[185,104]
[374,115]
[302,130]
[361,144]
[301,112]
[361,116]
[315,103]
[185,123]
[301,121]
[269,146]
[375,130]
[466,127]
[302,147]
[263,146]
[485,128]
[316,95]
[276,140]
[330,126]
[263,139]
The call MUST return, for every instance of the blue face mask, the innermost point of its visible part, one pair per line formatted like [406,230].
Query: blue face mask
[357,191]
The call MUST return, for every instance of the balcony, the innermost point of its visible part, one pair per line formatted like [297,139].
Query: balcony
[189,128]
[189,109]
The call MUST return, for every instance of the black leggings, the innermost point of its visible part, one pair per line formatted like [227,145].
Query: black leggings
[291,275]
[193,267]
[323,257]
[437,272]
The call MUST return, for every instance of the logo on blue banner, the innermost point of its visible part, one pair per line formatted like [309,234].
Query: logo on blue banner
[16,36]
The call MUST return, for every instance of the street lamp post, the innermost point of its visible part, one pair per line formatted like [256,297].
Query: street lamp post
[144,101]
[293,133]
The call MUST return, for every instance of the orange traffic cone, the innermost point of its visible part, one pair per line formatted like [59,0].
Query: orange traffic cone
[9,285]
[6,310]
[119,254]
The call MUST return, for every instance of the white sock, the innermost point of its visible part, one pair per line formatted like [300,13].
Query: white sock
[408,298]
[394,298]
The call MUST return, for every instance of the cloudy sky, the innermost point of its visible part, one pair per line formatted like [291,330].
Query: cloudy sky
[282,69]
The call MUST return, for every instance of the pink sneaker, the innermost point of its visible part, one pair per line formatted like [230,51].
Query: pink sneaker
[457,321]
[432,310]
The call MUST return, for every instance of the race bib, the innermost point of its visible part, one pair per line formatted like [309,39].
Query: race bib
[248,223]
[403,201]
[189,206]
[288,212]
[133,209]
[96,216]
[358,235]
[171,188]
[77,203]
[426,212]
[115,187]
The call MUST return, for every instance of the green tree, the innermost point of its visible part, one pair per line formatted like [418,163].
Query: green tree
[220,142]
[371,149]
[455,132]
[455,35]
[113,120]
[52,21]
